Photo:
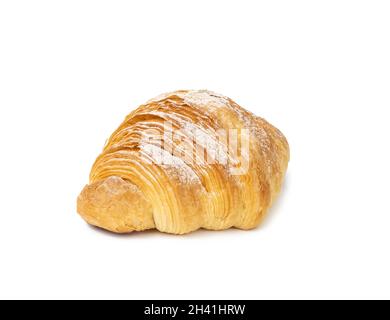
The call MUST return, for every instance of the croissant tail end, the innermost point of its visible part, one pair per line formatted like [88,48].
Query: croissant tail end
[116,205]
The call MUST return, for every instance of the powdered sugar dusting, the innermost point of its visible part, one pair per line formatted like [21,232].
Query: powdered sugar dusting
[213,144]
[172,165]
[205,98]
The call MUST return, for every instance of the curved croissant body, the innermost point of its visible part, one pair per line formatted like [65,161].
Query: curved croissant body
[183,161]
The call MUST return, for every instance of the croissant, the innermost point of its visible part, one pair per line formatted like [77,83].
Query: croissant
[183,161]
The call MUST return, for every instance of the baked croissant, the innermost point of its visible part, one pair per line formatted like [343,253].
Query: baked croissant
[183,161]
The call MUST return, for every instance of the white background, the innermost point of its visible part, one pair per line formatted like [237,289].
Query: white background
[318,70]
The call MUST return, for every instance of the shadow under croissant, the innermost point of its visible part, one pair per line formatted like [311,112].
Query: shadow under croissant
[203,232]
[156,233]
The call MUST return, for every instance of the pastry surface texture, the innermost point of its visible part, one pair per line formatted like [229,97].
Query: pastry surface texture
[183,161]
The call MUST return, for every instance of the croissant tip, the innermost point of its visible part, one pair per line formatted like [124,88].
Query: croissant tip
[114,204]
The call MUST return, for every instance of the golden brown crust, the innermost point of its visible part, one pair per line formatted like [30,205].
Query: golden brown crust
[131,190]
